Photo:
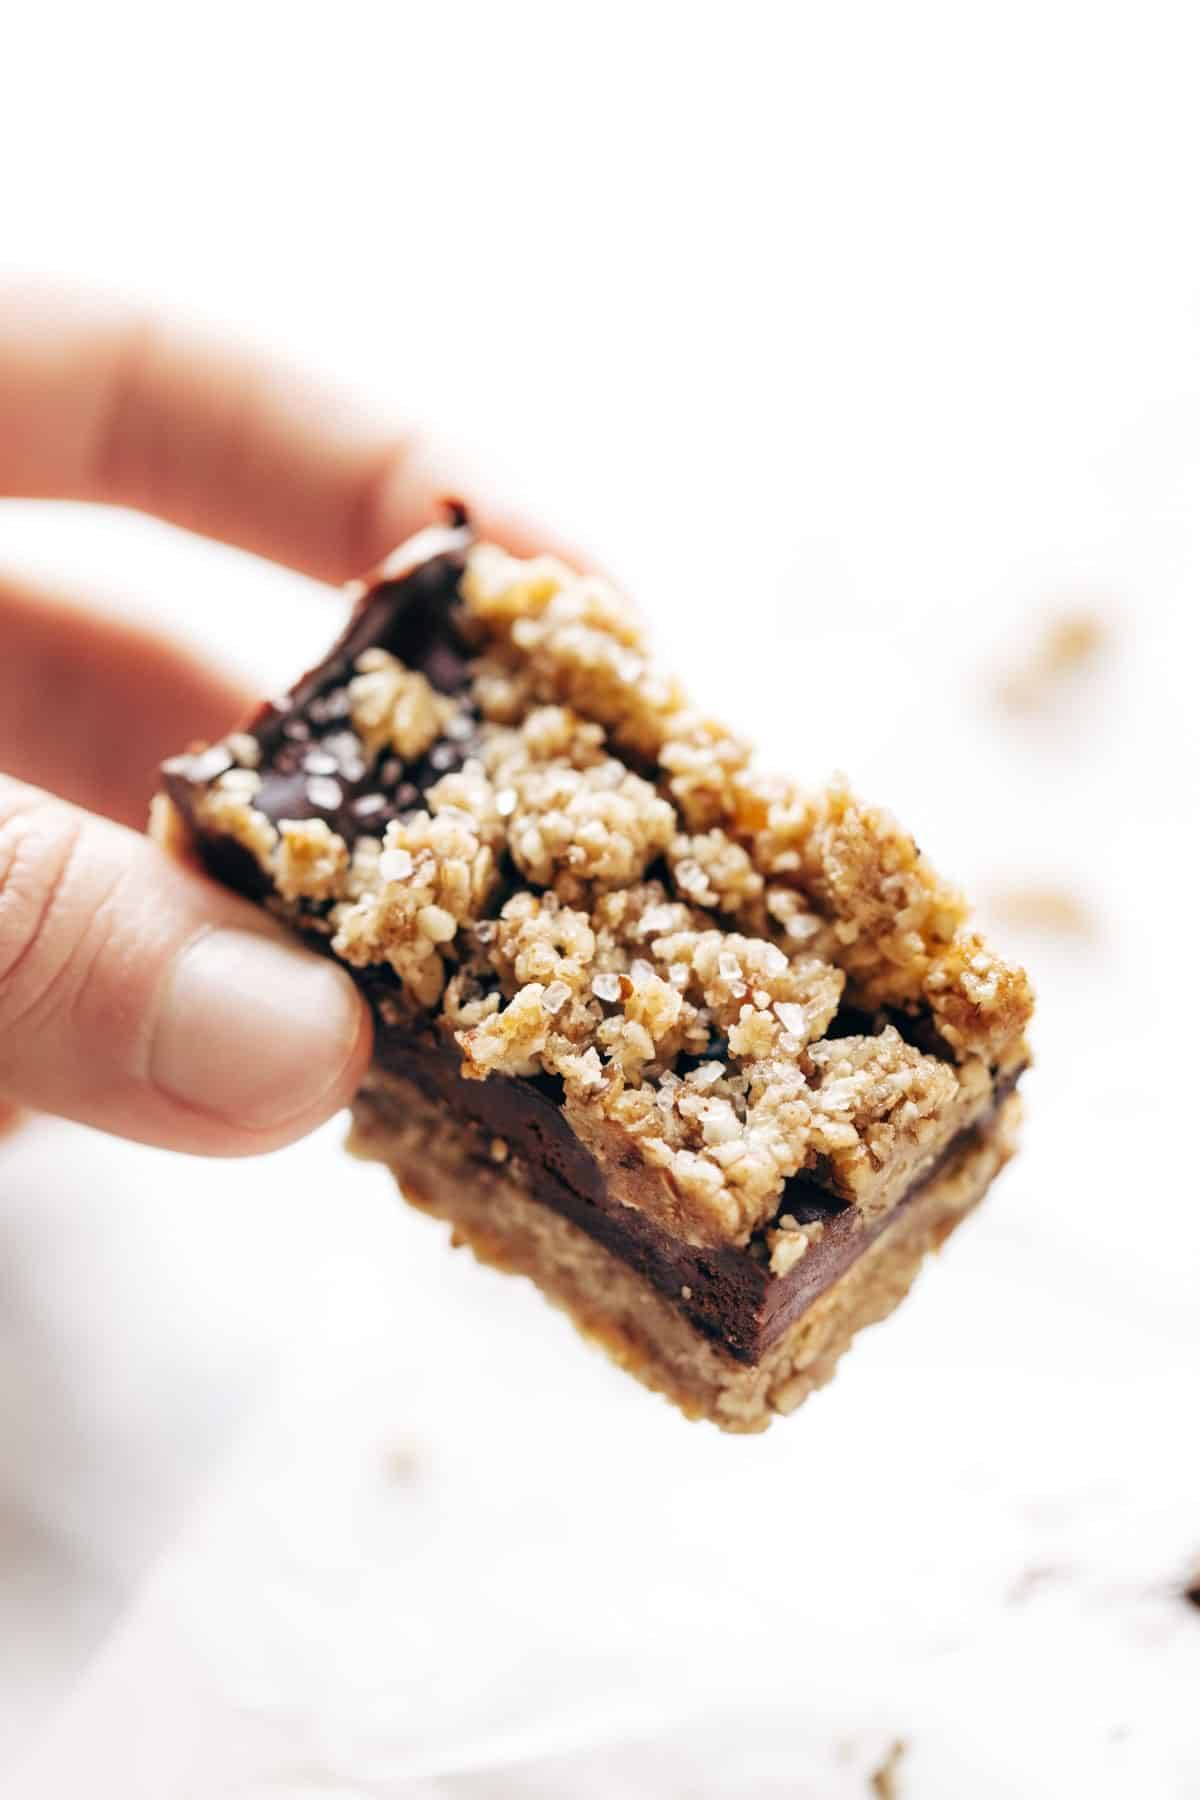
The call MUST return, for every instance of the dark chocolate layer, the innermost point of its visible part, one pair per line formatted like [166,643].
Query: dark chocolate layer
[312,764]
[731,1294]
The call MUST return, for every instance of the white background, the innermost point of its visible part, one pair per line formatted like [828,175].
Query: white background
[857,340]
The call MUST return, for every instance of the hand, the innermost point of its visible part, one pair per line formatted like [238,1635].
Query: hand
[134,995]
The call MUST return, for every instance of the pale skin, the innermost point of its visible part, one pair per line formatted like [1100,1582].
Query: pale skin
[134,995]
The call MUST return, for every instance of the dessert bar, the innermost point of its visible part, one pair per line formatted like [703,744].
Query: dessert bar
[714,1057]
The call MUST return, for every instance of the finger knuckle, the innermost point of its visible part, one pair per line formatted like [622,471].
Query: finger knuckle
[121,450]
[40,848]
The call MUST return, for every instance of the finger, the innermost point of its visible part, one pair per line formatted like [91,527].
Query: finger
[104,402]
[90,705]
[136,997]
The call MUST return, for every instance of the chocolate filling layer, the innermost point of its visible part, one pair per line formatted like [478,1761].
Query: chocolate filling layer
[312,765]
[728,1294]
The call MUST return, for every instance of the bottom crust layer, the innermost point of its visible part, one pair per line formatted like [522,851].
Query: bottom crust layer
[438,1164]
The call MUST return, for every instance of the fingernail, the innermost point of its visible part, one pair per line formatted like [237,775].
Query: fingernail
[253,1031]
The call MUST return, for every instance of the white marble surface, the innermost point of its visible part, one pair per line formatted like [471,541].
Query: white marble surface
[878,336]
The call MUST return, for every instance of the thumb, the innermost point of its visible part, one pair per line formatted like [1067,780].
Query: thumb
[139,998]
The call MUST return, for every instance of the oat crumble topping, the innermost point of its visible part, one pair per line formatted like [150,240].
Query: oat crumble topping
[683,928]
[310,861]
[395,708]
[788,1242]
[227,808]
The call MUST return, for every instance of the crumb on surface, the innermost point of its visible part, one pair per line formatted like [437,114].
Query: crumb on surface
[883,1780]
[1033,1580]
[1068,642]
[1043,907]
[401,1464]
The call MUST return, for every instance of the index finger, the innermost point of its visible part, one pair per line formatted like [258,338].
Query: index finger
[107,402]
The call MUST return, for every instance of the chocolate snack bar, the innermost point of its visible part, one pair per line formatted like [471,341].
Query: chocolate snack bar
[714,1058]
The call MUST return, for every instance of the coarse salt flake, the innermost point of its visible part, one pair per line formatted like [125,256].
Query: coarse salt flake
[323,792]
[396,865]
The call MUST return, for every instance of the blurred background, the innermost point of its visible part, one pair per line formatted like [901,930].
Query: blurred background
[859,339]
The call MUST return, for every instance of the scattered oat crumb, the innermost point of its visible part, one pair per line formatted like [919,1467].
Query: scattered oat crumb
[1032,1580]
[498,1150]
[401,1464]
[883,1779]
[1068,643]
[1038,907]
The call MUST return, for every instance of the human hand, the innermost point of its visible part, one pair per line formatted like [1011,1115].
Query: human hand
[135,995]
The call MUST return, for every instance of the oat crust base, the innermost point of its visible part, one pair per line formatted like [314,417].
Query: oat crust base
[443,1170]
